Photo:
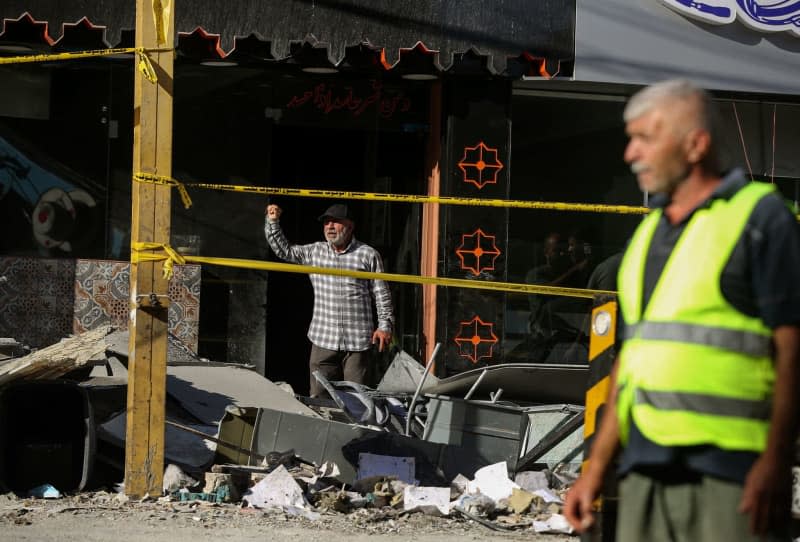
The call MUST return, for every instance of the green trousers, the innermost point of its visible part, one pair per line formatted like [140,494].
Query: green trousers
[651,510]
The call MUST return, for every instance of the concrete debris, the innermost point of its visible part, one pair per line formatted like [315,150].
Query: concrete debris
[562,477]
[520,500]
[532,480]
[458,486]
[248,444]
[404,374]
[205,391]
[181,448]
[175,479]
[475,504]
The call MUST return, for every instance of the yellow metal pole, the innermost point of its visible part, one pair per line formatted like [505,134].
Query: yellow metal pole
[150,222]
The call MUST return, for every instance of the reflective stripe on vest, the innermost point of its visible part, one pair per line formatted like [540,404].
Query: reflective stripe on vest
[751,344]
[705,404]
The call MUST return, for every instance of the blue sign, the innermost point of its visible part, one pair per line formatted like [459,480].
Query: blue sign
[761,15]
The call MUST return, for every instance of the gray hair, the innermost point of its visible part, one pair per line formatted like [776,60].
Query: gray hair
[679,91]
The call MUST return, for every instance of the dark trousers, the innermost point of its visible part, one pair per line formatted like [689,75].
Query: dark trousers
[336,365]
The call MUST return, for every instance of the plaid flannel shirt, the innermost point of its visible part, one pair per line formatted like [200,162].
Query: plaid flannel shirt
[343,317]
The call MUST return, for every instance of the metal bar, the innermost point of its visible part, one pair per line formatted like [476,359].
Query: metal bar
[419,387]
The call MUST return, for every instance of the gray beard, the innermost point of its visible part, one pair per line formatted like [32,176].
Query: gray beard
[339,240]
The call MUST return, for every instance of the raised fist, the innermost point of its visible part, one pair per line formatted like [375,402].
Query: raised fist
[273,212]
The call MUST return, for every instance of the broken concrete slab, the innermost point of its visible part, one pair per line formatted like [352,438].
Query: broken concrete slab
[404,374]
[177,352]
[186,450]
[205,388]
[206,391]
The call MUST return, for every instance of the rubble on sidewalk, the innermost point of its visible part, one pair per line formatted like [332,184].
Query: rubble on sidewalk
[235,440]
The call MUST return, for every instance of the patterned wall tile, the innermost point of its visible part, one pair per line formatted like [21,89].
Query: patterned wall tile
[101,297]
[36,299]
[45,300]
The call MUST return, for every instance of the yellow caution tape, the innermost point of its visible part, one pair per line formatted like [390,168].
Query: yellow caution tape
[168,181]
[171,257]
[161,9]
[396,198]
[146,67]
[65,56]
[78,54]
[144,64]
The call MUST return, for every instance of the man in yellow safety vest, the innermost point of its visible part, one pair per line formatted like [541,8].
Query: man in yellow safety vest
[704,391]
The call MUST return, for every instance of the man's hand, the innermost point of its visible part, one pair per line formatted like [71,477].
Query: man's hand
[767,495]
[578,508]
[382,339]
[273,212]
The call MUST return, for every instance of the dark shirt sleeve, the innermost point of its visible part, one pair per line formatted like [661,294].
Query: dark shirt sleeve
[771,249]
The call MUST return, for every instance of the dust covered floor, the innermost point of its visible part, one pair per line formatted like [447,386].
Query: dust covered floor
[101,516]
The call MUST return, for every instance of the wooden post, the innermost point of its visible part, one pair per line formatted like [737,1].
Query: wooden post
[429,260]
[150,222]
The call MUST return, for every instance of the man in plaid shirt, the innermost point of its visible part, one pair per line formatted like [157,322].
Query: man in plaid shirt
[342,327]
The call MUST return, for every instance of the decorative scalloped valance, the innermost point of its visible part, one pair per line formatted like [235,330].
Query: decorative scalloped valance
[507,38]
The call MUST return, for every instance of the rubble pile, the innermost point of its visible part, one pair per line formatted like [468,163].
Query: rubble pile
[240,446]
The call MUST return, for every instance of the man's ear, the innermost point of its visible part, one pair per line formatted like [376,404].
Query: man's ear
[697,145]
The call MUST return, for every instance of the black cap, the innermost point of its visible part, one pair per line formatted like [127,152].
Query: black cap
[338,210]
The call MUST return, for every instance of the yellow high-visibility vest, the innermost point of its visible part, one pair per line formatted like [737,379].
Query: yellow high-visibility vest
[694,369]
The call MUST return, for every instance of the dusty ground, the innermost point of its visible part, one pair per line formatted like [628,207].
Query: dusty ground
[105,517]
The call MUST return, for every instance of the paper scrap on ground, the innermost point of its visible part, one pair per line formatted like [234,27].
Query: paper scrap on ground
[548,496]
[493,482]
[430,500]
[276,490]
[554,524]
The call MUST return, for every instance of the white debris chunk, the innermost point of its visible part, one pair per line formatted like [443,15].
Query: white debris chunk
[493,481]
[277,490]
[430,500]
[554,524]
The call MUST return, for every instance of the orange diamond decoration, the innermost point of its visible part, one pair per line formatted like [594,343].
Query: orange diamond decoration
[475,246]
[475,340]
[480,165]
